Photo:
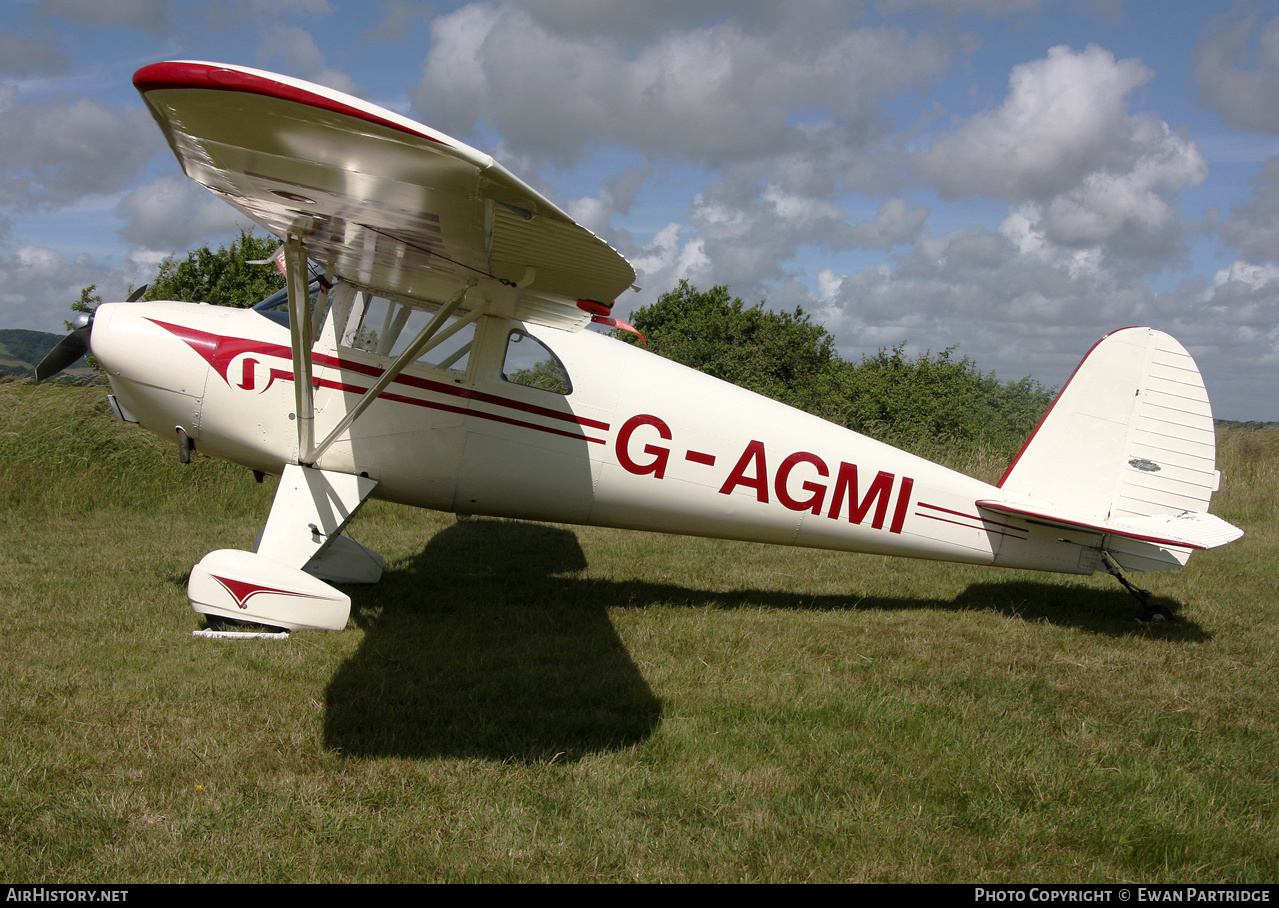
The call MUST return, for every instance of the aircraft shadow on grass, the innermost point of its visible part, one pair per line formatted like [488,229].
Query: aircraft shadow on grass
[490,645]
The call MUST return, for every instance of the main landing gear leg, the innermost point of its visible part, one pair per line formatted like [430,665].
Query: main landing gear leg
[282,582]
[1149,613]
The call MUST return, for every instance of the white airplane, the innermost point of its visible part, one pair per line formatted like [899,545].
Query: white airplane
[428,350]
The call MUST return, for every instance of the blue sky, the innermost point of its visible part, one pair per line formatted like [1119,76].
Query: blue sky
[1014,177]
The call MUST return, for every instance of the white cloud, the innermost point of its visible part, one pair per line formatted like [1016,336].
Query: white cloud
[628,21]
[148,15]
[960,7]
[399,17]
[23,53]
[1014,310]
[1232,328]
[624,188]
[749,232]
[1064,140]
[38,286]
[173,214]
[719,92]
[302,57]
[1064,117]
[596,212]
[1131,209]
[1254,226]
[1255,277]
[51,155]
[1248,98]
[1018,305]
[664,262]
[897,221]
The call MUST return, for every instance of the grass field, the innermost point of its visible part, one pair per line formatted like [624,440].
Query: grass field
[518,702]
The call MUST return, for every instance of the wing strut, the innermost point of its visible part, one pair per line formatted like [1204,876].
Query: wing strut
[295,276]
[428,337]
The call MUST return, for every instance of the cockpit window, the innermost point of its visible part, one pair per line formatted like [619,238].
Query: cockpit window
[529,362]
[376,325]
[385,327]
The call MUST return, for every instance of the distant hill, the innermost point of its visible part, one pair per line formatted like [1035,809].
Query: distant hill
[21,349]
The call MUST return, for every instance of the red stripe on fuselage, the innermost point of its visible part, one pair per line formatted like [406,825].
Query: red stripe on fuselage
[985,522]
[219,351]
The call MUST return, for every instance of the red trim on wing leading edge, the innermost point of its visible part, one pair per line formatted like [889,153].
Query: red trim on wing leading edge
[222,78]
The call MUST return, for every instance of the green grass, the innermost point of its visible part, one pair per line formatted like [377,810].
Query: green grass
[519,702]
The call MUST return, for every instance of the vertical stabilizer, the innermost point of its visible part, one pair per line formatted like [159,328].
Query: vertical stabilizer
[1130,435]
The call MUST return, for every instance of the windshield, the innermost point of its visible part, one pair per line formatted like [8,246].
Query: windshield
[276,306]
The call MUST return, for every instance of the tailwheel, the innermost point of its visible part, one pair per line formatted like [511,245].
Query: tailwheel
[1150,614]
[1153,614]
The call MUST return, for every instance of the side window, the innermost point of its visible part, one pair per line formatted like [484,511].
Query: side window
[529,362]
[386,328]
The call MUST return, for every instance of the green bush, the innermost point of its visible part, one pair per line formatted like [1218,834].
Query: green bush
[224,277]
[931,401]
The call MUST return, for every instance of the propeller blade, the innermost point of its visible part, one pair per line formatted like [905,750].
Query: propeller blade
[68,350]
[75,344]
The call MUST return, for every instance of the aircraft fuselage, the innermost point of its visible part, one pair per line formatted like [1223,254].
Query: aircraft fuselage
[638,442]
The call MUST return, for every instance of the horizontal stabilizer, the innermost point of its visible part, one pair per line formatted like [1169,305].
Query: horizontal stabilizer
[1188,529]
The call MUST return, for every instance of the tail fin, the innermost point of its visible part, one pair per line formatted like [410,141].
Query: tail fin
[1128,448]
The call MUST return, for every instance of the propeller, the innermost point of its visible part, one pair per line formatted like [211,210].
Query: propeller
[68,350]
[74,345]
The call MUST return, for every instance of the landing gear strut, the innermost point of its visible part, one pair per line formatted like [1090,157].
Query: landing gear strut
[1149,613]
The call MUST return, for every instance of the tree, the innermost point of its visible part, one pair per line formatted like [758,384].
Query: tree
[88,301]
[222,277]
[936,399]
[919,403]
[781,355]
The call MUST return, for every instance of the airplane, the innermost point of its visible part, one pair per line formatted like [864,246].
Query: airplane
[428,349]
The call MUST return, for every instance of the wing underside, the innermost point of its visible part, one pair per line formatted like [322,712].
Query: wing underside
[376,199]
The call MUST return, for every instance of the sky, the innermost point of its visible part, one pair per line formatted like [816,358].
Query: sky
[1009,178]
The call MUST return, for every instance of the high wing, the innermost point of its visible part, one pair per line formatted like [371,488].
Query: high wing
[376,199]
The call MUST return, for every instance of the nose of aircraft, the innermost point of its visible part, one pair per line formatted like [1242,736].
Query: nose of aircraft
[150,353]
[75,344]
